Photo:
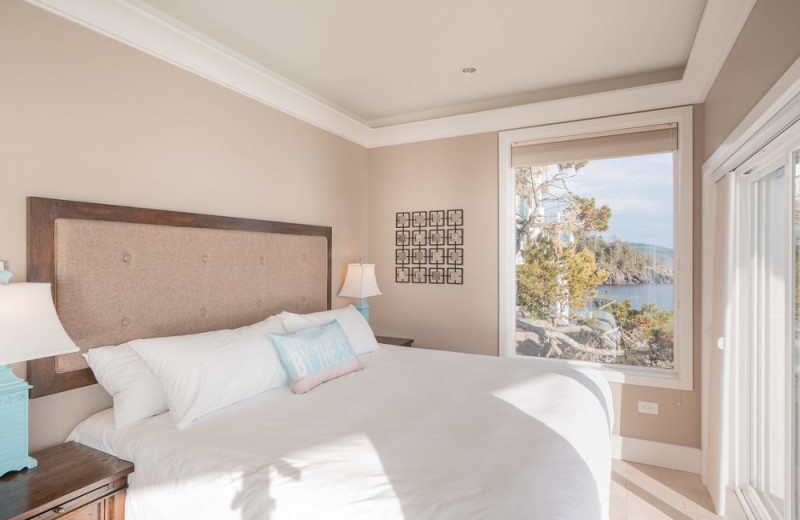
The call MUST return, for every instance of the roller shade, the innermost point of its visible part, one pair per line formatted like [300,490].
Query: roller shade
[619,143]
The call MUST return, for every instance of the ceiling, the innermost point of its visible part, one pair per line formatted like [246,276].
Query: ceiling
[385,62]
[384,72]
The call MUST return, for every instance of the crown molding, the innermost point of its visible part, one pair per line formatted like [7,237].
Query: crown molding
[776,109]
[166,39]
[719,28]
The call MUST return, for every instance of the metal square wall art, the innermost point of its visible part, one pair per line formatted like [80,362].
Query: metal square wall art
[402,274]
[430,246]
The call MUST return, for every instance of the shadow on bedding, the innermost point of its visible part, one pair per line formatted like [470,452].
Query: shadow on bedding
[493,477]
[502,464]
[254,500]
[595,389]
[520,469]
[453,451]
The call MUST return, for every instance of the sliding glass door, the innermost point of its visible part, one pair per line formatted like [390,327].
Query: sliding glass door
[768,236]
[768,347]
[795,362]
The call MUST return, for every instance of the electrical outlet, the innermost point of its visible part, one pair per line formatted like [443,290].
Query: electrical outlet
[648,407]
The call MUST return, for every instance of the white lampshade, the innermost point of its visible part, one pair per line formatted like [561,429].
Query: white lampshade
[360,281]
[29,325]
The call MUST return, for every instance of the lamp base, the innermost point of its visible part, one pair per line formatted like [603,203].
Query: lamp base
[17,465]
[363,308]
[13,422]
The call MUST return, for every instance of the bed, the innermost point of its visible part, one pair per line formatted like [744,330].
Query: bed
[416,434]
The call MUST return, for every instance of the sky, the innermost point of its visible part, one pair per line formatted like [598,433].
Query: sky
[639,191]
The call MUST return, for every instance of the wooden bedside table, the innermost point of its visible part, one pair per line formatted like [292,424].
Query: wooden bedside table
[71,482]
[400,342]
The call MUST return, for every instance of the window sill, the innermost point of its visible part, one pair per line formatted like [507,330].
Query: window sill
[642,376]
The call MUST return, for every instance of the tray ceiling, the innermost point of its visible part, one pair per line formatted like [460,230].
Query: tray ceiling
[385,62]
[382,72]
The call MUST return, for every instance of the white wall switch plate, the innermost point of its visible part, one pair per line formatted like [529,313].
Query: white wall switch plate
[648,407]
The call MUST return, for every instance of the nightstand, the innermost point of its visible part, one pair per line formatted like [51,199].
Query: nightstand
[400,342]
[71,482]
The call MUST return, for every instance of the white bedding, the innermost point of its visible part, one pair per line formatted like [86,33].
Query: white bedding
[417,434]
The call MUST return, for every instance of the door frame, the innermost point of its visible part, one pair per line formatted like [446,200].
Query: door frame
[772,114]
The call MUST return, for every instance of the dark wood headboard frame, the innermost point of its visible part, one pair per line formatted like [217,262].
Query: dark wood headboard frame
[42,215]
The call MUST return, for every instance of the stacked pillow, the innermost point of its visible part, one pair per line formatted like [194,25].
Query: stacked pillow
[124,375]
[196,374]
[188,375]
[201,373]
[353,324]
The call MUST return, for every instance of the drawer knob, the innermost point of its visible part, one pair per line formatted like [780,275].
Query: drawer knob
[59,510]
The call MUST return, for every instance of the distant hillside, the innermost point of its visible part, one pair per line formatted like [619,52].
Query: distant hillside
[662,254]
[630,263]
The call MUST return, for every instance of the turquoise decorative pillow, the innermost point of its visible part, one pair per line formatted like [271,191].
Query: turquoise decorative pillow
[315,355]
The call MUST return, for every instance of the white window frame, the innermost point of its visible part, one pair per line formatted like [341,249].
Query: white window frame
[681,376]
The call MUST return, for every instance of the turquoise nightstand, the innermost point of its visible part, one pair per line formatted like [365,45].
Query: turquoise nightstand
[14,421]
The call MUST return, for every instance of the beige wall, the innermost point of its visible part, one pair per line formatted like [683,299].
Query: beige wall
[766,47]
[461,172]
[85,118]
[678,421]
[444,174]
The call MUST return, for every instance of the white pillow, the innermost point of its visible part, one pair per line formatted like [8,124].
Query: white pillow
[355,327]
[125,376]
[200,373]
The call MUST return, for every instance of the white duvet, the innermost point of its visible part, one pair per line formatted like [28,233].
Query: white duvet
[417,434]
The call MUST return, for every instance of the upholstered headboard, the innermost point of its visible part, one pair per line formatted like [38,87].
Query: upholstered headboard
[122,273]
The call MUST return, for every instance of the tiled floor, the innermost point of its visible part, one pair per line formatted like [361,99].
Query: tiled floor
[642,492]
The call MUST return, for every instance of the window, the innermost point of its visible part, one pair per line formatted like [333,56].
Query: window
[595,222]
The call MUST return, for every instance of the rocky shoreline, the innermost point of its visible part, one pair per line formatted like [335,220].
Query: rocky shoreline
[659,274]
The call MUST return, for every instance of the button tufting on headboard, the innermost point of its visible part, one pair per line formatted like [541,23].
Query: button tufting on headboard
[172,288]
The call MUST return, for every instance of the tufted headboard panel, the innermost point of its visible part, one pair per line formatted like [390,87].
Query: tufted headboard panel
[123,273]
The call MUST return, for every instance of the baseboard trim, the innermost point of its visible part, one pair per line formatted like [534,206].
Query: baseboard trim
[671,456]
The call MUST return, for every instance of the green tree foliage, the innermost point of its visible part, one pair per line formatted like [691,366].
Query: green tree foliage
[538,285]
[590,217]
[555,279]
[646,336]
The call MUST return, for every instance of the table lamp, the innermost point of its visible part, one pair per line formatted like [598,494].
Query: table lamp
[29,329]
[360,283]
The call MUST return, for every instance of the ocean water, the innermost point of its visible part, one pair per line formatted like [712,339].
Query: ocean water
[662,295]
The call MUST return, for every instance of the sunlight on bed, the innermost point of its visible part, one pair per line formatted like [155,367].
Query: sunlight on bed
[262,487]
[552,403]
